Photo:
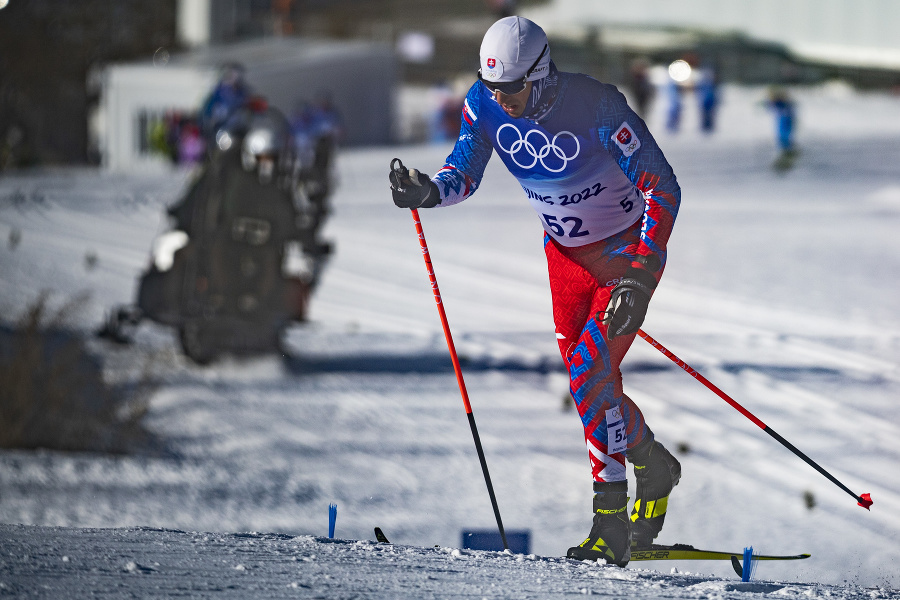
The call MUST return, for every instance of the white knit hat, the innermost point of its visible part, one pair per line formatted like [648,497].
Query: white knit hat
[510,47]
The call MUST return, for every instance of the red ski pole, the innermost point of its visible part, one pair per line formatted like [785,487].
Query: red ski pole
[864,500]
[458,370]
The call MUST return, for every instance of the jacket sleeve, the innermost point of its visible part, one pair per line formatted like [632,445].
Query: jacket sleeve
[461,174]
[627,139]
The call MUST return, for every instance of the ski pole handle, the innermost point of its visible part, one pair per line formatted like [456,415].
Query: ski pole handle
[864,500]
[400,173]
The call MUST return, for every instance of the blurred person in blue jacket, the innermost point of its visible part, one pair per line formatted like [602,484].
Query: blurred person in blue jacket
[673,115]
[327,121]
[707,90]
[230,94]
[303,132]
[784,109]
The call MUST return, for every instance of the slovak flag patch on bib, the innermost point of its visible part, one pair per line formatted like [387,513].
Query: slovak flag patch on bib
[626,139]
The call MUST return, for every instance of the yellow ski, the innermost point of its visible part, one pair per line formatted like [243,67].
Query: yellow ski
[687,552]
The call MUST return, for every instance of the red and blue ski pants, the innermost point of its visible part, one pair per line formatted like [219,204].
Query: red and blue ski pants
[581,281]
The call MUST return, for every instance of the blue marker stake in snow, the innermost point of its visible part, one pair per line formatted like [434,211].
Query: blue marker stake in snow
[332,519]
[748,559]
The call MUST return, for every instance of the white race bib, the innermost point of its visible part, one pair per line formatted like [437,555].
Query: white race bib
[616,440]
[590,205]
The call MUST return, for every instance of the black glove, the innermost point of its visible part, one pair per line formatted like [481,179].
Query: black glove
[412,189]
[628,303]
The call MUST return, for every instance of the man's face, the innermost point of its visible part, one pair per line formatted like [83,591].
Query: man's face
[514,104]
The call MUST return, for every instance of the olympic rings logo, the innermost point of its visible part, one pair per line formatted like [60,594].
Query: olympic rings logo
[546,148]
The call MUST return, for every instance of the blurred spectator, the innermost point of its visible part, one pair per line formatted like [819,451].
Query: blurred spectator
[229,95]
[328,132]
[443,102]
[327,120]
[673,115]
[191,146]
[160,136]
[681,75]
[451,118]
[303,133]
[640,86]
[177,137]
[707,90]
[317,129]
[782,105]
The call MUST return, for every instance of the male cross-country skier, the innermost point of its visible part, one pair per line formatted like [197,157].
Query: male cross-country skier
[607,199]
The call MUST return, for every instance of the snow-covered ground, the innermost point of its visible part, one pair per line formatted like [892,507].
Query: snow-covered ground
[49,562]
[781,289]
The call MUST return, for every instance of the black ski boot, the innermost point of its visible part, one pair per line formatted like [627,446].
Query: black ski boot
[610,537]
[656,472]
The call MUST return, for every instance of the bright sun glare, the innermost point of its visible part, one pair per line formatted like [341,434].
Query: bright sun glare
[680,71]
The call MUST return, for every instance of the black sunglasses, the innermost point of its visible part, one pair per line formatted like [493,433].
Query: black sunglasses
[509,88]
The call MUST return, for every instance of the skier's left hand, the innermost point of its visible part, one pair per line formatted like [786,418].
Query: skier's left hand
[628,303]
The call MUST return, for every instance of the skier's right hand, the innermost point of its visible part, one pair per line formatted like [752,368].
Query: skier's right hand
[412,189]
[628,303]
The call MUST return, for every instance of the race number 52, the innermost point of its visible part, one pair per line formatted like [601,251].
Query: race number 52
[558,226]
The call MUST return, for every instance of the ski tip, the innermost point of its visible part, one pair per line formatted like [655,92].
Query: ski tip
[865,500]
[379,535]
[736,565]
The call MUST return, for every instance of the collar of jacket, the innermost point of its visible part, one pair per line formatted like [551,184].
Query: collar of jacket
[543,96]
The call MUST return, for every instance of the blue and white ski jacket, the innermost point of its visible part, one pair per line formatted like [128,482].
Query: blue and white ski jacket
[590,167]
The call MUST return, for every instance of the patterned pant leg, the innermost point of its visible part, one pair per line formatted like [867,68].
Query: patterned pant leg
[580,291]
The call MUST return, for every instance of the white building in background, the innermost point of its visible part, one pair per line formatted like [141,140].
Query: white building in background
[860,33]
[134,97]
[359,76]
